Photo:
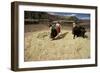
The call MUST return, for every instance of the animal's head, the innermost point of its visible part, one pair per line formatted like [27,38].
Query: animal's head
[74,24]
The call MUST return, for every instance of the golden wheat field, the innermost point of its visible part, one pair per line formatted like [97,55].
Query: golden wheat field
[39,47]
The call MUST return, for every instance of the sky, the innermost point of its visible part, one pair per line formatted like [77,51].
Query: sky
[78,15]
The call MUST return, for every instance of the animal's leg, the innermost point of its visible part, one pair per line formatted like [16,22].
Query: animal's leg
[83,35]
[74,37]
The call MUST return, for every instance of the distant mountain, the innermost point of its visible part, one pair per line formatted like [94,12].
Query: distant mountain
[49,17]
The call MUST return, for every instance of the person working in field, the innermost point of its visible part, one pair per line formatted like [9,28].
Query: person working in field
[58,27]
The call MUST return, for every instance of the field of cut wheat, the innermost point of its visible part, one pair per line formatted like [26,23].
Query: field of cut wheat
[39,46]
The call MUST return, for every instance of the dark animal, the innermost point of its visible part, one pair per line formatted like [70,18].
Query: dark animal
[53,33]
[78,31]
[55,30]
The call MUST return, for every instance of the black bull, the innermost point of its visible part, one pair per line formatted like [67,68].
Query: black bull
[78,31]
[53,31]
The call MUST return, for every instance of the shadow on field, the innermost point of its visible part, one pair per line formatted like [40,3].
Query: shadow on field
[61,36]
